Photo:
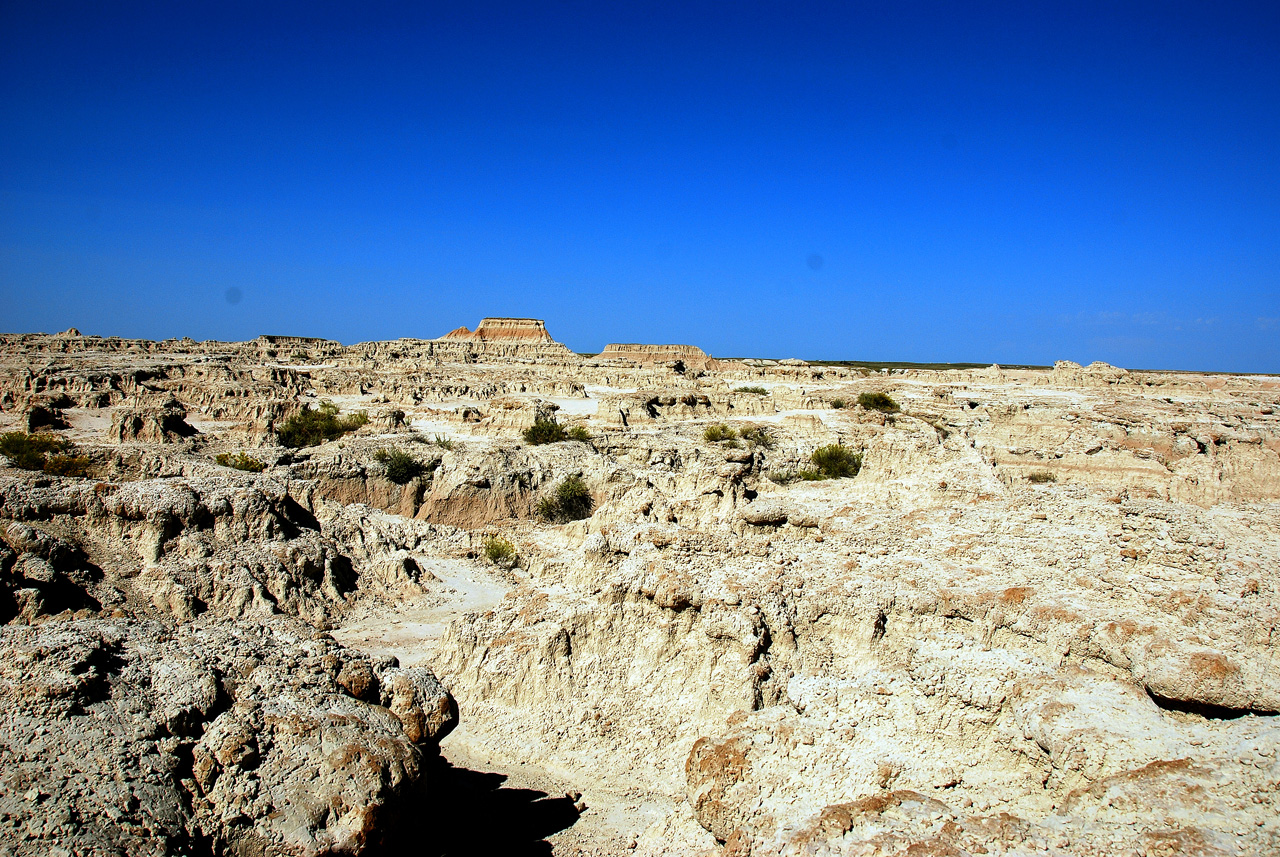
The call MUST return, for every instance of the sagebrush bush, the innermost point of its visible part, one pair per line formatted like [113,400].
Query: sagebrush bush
[311,427]
[835,461]
[757,436]
[580,434]
[401,466]
[570,501]
[837,404]
[67,465]
[719,433]
[1041,476]
[761,391]
[878,402]
[543,431]
[29,451]
[240,461]
[499,551]
[43,452]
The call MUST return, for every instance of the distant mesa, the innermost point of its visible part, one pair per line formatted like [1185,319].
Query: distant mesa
[691,356]
[521,330]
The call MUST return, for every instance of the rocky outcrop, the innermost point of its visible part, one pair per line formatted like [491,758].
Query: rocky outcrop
[1096,374]
[151,425]
[652,406]
[471,489]
[41,417]
[136,739]
[172,548]
[680,357]
[523,330]
[878,658]
[501,339]
[776,782]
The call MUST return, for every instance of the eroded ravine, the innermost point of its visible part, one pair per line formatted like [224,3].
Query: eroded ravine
[569,807]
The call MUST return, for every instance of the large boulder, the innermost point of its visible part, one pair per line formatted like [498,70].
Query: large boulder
[139,739]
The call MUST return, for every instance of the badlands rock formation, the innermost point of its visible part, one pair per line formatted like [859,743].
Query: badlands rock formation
[505,330]
[1043,617]
[499,338]
[681,357]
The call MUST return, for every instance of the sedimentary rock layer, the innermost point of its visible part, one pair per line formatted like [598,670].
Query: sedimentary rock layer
[528,330]
[689,356]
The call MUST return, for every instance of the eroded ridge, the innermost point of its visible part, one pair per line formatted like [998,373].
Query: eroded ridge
[727,607]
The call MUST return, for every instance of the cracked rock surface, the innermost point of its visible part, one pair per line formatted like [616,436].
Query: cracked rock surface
[142,738]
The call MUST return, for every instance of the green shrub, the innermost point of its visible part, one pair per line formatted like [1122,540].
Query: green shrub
[444,442]
[758,436]
[835,461]
[240,462]
[877,402]
[311,427]
[544,431]
[67,465]
[838,404]
[401,466]
[1039,477]
[719,433]
[43,452]
[570,501]
[29,451]
[783,477]
[580,434]
[809,475]
[761,391]
[500,552]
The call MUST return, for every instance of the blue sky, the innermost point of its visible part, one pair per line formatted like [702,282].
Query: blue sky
[1004,182]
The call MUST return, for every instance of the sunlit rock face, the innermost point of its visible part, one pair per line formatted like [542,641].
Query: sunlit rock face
[500,339]
[1040,616]
[690,356]
[532,330]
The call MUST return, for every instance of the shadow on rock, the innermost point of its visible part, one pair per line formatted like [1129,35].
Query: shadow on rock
[457,811]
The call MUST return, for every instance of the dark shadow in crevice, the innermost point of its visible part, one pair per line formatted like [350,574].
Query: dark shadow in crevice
[298,517]
[1207,710]
[456,811]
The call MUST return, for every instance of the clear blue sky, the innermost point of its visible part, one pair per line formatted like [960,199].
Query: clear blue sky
[1013,182]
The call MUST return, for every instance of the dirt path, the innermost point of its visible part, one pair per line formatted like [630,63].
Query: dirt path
[409,632]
